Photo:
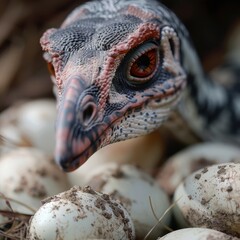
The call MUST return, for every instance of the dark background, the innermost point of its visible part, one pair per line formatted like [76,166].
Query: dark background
[23,72]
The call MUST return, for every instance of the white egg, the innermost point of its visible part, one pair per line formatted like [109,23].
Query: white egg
[31,124]
[197,234]
[210,198]
[28,175]
[80,214]
[134,189]
[193,158]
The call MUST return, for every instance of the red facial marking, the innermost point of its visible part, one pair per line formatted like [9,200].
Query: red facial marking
[144,32]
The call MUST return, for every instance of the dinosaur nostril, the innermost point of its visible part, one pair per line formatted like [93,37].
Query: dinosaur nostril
[88,113]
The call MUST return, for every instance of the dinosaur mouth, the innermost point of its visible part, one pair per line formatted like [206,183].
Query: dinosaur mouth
[169,102]
[171,97]
[74,162]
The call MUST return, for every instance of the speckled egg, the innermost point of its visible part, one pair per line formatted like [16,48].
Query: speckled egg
[79,214]
[195,157]
[197,234]
[28,175]
[138,193]
[210,198]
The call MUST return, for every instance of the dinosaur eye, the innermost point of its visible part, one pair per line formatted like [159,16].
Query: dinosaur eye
[143,63]
[51,69]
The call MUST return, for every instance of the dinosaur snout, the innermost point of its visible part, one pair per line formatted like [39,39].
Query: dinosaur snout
[76,125]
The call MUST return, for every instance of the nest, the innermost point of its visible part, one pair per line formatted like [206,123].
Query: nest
[17,224]
[23,73]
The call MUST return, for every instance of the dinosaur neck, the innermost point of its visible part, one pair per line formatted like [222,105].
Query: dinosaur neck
[208,106]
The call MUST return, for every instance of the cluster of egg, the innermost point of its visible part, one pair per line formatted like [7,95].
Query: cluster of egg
[27,170]
[123,200]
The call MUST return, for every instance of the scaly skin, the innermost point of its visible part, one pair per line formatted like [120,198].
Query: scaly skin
[120,67]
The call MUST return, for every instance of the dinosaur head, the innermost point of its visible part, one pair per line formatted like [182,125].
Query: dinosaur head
[118,75]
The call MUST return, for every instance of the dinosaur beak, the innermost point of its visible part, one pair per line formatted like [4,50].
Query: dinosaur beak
[77,133]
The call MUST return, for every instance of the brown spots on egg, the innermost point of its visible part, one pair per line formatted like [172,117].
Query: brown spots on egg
[210,198]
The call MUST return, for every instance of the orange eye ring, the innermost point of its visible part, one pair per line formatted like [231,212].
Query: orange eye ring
[144,63]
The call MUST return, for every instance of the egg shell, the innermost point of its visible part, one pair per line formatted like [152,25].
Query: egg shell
[193,158]
[197,234]
[134,189]
[210,198]
[81,214]
[28,175]
[31,124]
